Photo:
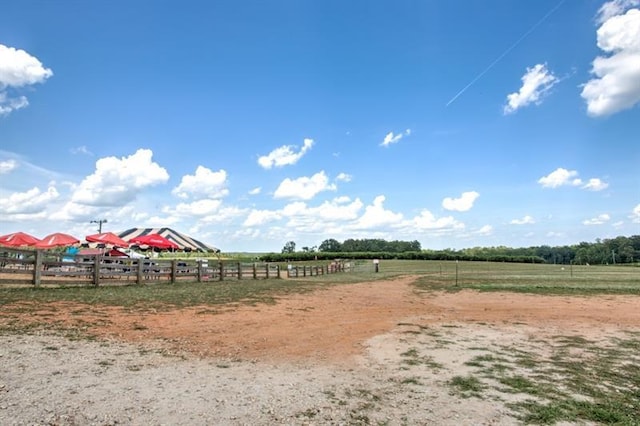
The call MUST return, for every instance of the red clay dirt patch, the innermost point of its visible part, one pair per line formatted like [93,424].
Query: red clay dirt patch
[334,324]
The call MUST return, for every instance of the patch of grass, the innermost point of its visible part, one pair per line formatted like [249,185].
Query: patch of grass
[411,381]
[467,386]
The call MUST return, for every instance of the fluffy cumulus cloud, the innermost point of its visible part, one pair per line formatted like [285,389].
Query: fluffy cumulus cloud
[204,183]
[560,177]
[284,155]
[564,177]
[261,217]
[536,83]
[598,220]
[461,204]
[527,220]
[117,181]
[428,221]
[635,214]
[18,69]
[376,215]
[304,188]
[29,202]
[390,138]
[616,83]
[336,210]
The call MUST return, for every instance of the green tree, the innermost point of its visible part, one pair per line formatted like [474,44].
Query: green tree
[330,245]
[289,247]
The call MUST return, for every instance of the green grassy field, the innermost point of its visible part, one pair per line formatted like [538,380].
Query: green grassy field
[430,276]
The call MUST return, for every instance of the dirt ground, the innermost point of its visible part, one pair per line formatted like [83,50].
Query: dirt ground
[304,360]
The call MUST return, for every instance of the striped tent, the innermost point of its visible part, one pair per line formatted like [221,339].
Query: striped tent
[183,241]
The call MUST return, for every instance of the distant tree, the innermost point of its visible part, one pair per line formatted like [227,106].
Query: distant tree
[330,245]
[289,247]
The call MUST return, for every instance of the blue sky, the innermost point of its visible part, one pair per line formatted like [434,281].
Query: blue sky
[248,124]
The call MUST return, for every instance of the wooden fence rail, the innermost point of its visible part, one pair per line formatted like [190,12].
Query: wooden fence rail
[36,267]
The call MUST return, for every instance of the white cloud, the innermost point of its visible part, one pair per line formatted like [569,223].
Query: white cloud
[390,138]
[261,217]
[29,202]
[284,155]
[595,184]
[343,177]
[462,204]
[255,191]
[598,220]
[635,214]
[616,85]
[536,83]
[117,181]
[304,188]
[202,207]
[560,177]
[7,166]
[527,220]
[338,209]
[8,104]
[81,150]
[613,8]
[375,215]
[485,230]
[18,69]
[427,221]
[204,183]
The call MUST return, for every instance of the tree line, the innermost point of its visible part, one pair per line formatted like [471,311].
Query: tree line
[619,250]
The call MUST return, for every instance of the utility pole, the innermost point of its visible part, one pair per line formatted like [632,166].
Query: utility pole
[99,222]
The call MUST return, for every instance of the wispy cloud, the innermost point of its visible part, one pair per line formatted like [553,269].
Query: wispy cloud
[598,220]
[7,166]
[536,83]
[81,150]
[595,184]
[284,155]
[391,138]
[527,220]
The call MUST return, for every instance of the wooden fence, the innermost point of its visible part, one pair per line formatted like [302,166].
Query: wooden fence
[37,267]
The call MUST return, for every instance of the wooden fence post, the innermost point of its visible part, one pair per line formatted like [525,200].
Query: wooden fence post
[199,271]
[221,266]
[266,270]
[277,270]
[139,276]
[174,270]
[37,268]
[239,271]
[96,270]
[255,272]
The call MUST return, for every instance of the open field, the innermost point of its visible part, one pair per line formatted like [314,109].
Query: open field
[508,344]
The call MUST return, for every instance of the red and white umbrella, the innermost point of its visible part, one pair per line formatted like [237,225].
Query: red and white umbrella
[57,240]
[107,238]
[155,241]
[18,239]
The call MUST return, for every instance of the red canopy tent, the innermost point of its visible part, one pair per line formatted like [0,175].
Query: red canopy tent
[107,238]
[57,240]
[155,241]
[18,239]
